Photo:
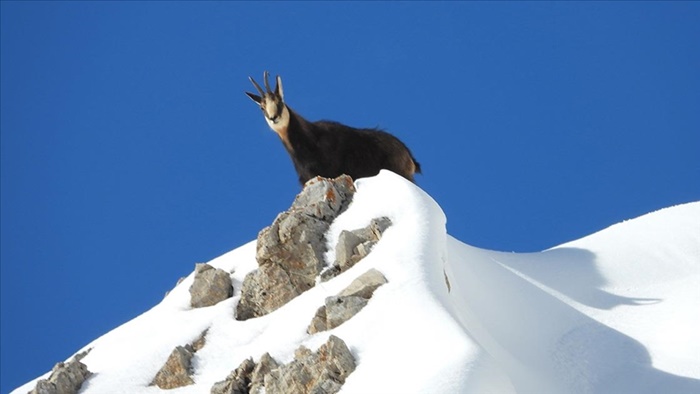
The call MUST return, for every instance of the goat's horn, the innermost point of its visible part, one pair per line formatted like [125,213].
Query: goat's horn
[262,94]
[278,89]
[267,84]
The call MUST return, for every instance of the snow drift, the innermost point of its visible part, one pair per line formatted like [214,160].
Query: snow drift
[617,311]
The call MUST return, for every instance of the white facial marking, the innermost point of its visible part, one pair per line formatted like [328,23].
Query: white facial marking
[270,108]
[278,125]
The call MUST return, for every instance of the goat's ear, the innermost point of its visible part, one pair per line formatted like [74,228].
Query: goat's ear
[254,97]
[278,90]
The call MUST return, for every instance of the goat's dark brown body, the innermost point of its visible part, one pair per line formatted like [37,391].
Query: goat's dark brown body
[330,149]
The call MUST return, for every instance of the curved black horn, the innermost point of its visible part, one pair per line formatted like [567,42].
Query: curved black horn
[262,93]
[267,84]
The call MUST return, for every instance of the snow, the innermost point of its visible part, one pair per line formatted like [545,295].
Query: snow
[617,311]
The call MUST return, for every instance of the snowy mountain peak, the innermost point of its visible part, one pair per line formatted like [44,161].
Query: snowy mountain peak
[616,311]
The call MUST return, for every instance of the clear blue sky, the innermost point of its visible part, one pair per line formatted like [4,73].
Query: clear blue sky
[130,153]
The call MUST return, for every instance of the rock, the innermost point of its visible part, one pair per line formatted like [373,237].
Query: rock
[264,367]
[365,284]
[295,242]
[325,198]
[342,307]
[248,378]
[238,381]
[355,245]
[263,291]
[211,286]
[319,322]
[176,371]
[290,251]
[324,371]
[65,378]
[330,273]
[345,249]
[199,343]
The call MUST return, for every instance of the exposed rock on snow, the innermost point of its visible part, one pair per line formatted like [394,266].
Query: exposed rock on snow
[248,378]
[199,343]
[238,381]
[570,319]
[355,245]
[342,307]
[176,371]
[324,371]
[365,284]
[262,368]
[290,252]
[66,378]
[320,372]
[211,286]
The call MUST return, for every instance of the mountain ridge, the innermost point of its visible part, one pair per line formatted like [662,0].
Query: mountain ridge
[579,317]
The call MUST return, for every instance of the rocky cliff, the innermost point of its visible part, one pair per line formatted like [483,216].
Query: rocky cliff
[290,257]
[384,300]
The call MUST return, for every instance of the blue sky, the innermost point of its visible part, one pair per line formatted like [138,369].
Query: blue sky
[130,153]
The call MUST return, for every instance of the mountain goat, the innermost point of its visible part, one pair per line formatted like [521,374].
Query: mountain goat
[330,149]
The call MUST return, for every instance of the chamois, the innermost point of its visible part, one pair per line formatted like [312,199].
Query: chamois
[328,148]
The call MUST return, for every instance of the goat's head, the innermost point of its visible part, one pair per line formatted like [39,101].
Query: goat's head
[271,103]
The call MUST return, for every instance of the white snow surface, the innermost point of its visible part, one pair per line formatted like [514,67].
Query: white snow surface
[617,311]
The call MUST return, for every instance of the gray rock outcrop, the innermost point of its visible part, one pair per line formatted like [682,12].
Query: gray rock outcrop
[364,285]
[211,286]
[176,371]
[65,378]
[290,251]
[320,372]
[342,307]
[263,368]
[199,343]
[238,381]
[248,378]
[355,245]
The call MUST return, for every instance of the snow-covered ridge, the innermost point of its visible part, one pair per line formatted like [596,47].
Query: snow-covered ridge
[617,311]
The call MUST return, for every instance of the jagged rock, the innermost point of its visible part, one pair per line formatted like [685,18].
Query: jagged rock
[325,198]
[264,367]
[295,243]
[342,307]
[290,251]
[199,343]
[345,248]
[65,378]
[248,378]
[238,381]
[355,245]
[319,322]
[374,231]
[324,371]
[211,286]
[176,371]
[330,273]
[364,285]
[263,291]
